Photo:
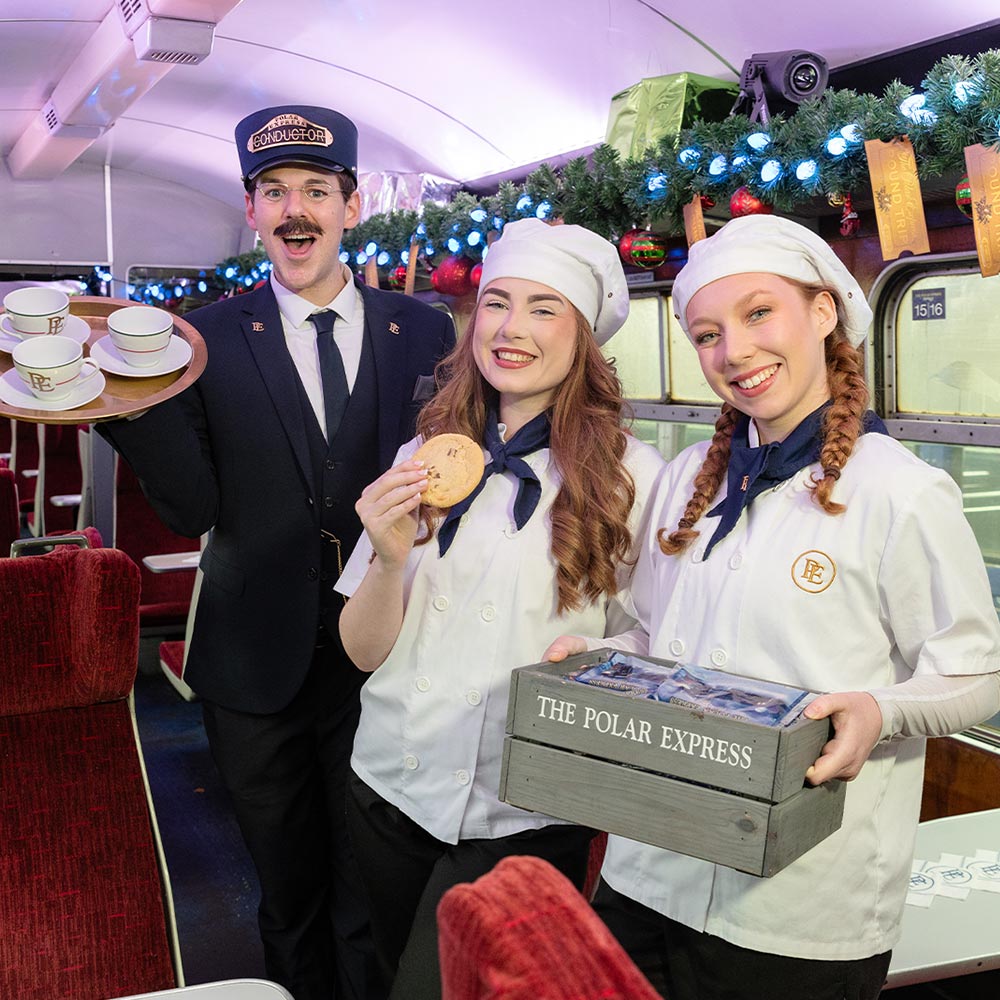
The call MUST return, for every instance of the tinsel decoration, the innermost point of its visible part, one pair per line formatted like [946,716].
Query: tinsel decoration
[451,276]
[743,202]
[963,196]
[641,248]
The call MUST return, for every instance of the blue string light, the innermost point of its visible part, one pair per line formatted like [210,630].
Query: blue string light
[718,166]
[689,157]
[382,259]
[523,203]
[453,245]
[544,210]
[914,108]
[806,170]
[478,215]
[771,172]
[836,145]
[758,141]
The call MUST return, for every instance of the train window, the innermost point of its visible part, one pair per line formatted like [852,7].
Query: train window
[649,333]
[669,437]
[937,376]
[638,349]
[946,356]
[184,288]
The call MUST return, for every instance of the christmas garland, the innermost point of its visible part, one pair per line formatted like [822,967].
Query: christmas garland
[818,151]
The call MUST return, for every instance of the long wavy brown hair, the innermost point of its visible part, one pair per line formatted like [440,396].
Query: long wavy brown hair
[589,517]
[841,428]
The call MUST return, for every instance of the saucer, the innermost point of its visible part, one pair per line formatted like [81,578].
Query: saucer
[177,355]
[14,392]
[76,328]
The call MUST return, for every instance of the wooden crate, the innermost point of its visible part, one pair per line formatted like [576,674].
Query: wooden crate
[722,789]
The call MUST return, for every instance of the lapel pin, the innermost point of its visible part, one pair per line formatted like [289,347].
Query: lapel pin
[394,328]
[257,327]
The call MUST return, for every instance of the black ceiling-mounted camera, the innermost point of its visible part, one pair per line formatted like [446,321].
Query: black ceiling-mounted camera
[772,81]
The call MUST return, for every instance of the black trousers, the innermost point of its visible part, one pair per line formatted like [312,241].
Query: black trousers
[287,776]
[406,872]
[684,964]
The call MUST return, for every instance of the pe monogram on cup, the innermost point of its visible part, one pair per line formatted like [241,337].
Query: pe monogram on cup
[52,367]
[141,334]
[35,312]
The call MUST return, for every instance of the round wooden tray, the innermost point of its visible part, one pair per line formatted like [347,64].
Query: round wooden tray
[122,395]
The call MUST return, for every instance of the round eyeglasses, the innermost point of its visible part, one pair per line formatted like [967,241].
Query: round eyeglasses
[315,194]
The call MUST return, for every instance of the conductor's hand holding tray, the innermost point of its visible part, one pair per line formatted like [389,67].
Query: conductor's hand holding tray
[801,546]
[512,516]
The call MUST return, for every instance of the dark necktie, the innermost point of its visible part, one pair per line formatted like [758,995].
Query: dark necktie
[504,458]
[331,370]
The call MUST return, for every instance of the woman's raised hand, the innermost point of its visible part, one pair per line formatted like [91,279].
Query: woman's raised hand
[388,510]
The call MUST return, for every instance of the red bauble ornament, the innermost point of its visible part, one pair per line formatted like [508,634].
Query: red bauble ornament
[963,196]
[451,276]
[397,277]
[706,202]
[745,203]
[476,274]
[849,221]
[641,248]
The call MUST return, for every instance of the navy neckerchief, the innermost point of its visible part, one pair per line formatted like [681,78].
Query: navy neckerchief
[752,470]
[505,456]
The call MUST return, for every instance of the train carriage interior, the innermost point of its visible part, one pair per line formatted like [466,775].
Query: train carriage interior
[120,179]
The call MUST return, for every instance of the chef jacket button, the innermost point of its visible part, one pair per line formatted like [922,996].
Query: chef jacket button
[488,613]
[328,501]
[719,657]
[463,777]
[423,683]
[440,603]
[311,573]
[697,555]
[676,647]
[309,501]
[463,520]
[473,697]
[323,575]
[511,530]
[330,464]
[736,560]
[410,762]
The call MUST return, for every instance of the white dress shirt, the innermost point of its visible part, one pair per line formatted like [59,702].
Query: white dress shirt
[300,336]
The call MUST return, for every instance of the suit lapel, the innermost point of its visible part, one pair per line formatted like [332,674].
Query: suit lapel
[265,337]
[388,347]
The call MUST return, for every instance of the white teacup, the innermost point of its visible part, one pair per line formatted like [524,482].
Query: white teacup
[141,334]
[36,312]
[52,367]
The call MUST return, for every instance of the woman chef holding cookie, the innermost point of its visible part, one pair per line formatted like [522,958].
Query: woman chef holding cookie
[445,603]
[802,545]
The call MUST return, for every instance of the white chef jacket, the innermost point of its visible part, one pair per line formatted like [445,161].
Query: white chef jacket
[893,587]
[433,715]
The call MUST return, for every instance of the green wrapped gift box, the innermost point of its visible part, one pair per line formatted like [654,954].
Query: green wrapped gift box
[659,106]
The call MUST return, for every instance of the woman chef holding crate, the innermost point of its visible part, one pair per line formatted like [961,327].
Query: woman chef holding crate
[545,542]
[802,545]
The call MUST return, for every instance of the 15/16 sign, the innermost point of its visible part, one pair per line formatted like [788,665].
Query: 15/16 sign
[928,303]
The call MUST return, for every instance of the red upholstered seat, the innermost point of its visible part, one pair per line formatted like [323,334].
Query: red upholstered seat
[82,899]
[523,932]
[166,597]
[9,514]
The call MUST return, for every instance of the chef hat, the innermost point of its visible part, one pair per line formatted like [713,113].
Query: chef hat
[580,265]
[768,244]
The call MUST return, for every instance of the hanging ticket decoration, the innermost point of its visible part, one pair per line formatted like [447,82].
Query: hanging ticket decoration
[694,221]
[983,165]
[899,207]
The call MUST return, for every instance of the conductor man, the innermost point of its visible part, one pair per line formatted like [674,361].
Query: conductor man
[312,383]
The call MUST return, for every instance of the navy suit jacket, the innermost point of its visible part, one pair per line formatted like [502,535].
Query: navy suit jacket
[230,454]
